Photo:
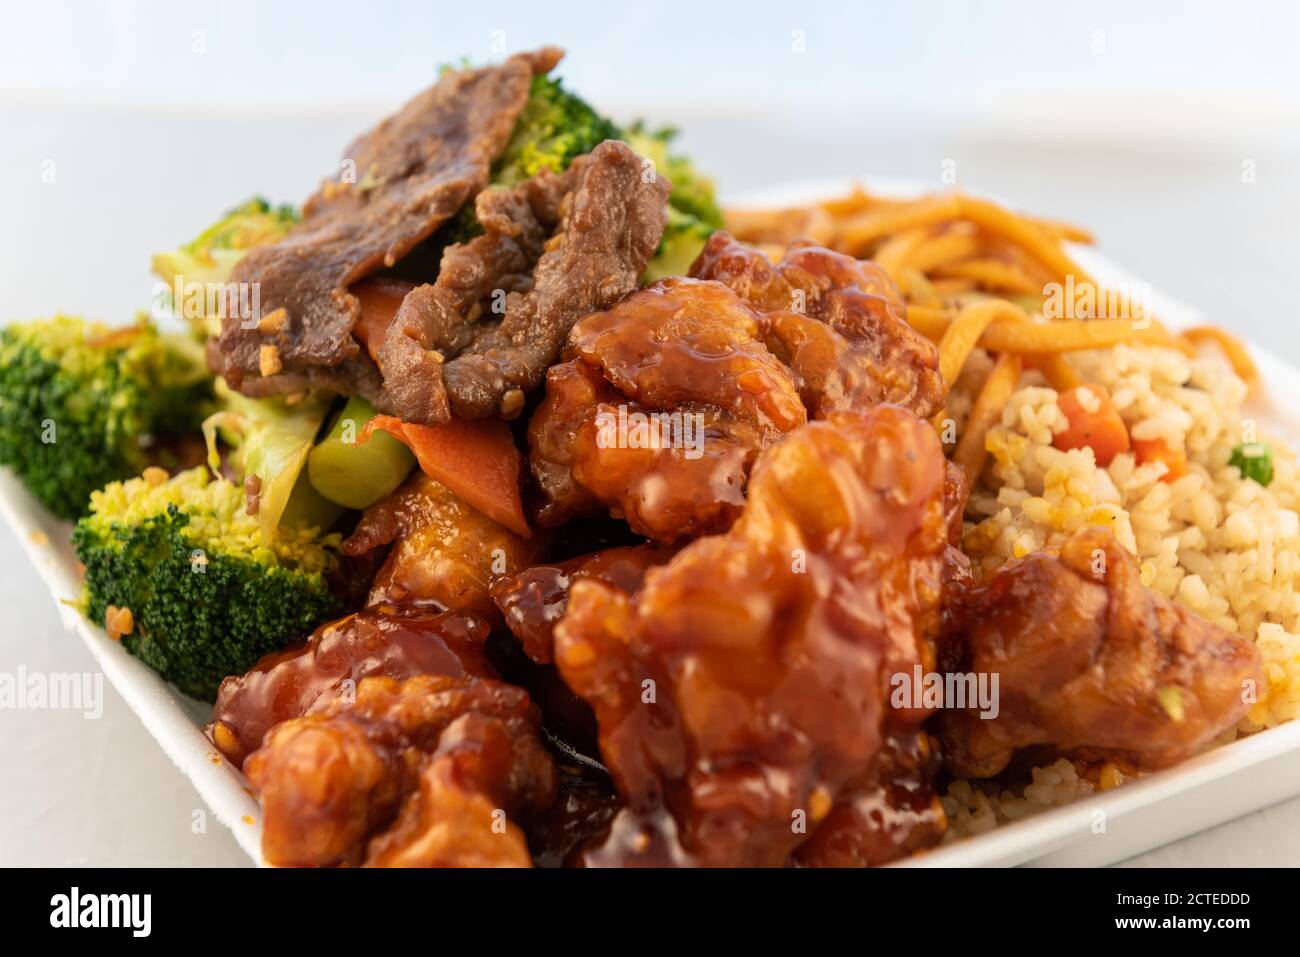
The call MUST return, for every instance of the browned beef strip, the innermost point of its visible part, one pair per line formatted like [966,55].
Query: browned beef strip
[516,223]
[558,246]
[356,376]
[413,172]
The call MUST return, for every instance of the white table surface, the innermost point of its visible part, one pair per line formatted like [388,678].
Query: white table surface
[1173,209]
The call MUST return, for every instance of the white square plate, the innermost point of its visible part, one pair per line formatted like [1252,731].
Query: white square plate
[1217,786]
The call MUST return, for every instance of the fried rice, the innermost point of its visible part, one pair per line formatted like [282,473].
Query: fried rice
[1212,540]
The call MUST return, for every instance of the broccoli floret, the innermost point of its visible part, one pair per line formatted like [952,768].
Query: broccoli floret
[211,255]
[693,212]
[81,403]
[556,126]
[207,594]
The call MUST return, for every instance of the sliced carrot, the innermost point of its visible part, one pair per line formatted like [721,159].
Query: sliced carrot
[1158,450]
[476,458]
[380,300]
[1093,421]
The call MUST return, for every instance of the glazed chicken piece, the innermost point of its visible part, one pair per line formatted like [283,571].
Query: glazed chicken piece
[533,600]
[887,812]
[744,357]
[682,341]
[444,552]
[742,693]
[573,390]
[839,323]
[1090,660]
[427,772]
[890,811]
[306,678]
[668,398]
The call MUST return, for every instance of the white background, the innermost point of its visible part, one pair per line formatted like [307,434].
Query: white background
[1139,121]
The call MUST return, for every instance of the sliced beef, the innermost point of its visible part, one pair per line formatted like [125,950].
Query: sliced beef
[555,248]
[413,172]
[356,376]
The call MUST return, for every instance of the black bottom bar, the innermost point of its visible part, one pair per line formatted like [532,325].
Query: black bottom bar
[249,909]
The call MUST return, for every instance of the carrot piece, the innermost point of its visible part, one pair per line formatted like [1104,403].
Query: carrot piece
[380,299]
[476,459]
[1093,421]
[1158,450]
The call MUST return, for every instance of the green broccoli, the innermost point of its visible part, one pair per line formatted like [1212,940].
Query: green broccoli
[81,404]
[207,594]
[693,212]
[556,126]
